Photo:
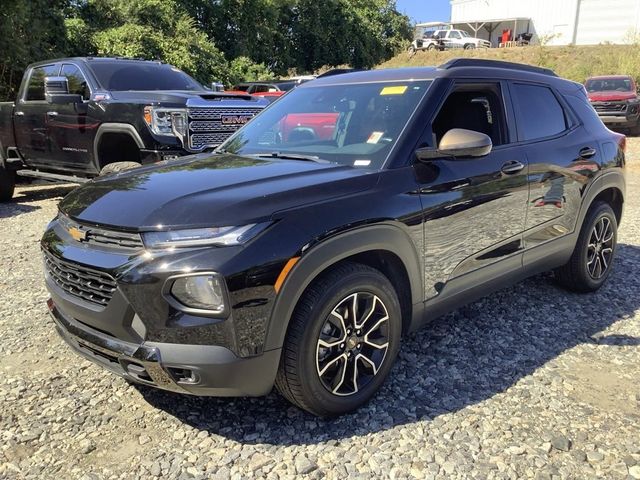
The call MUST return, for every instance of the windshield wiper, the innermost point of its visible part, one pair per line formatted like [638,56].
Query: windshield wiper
[290,156]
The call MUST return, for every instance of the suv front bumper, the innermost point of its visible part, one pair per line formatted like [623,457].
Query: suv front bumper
[206,370]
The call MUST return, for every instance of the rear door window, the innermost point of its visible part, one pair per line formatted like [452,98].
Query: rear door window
[538,112]
[35,86]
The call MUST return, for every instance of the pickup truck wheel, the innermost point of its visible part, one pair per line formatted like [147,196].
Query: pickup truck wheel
[118,167]
[592,258]
[431,46]
[7,184]
[469,46]
[342,340]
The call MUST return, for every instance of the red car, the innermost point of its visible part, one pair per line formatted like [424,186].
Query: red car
[615,98]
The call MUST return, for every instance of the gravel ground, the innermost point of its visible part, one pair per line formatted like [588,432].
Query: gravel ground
[531,382]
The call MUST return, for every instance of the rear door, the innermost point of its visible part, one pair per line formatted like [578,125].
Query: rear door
[562,158]
[31,119]
[473,208]
[72,127]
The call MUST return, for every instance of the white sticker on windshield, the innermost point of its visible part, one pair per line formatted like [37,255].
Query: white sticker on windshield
[362,163]
[375,137]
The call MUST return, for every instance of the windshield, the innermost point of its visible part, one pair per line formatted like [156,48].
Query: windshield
[464,34]
[122,75]
[355,124]
[609,84]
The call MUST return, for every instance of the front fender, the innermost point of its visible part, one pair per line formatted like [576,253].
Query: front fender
[390,237]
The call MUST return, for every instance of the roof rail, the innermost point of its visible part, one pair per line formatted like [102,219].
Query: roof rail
[478,62]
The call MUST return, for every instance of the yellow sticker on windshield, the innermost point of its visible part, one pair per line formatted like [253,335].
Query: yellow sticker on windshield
[398,90]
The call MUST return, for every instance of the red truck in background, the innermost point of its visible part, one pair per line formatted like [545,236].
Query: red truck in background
[615,99]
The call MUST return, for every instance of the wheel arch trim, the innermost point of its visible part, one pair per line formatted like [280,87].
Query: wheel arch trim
[122,128]
[388,237]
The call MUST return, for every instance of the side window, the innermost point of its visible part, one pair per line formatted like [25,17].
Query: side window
[473,107]
[77,83]
[538,112]
[35,85]
[454,35]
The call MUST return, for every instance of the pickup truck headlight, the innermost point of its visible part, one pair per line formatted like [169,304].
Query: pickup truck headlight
[166,121]
[198,237]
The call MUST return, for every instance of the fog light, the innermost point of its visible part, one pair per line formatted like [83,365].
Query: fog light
[202,292]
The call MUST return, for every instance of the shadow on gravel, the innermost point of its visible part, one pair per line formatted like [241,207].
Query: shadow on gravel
[458,360]
[34,193]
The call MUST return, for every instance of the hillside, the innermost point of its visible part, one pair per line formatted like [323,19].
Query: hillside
[573,62]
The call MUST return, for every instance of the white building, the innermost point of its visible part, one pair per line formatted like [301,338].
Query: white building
[557,22]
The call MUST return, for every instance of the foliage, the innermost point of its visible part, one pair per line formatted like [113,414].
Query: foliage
[222,40]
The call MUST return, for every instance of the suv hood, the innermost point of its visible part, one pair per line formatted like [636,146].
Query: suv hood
[611,96]
[209,190]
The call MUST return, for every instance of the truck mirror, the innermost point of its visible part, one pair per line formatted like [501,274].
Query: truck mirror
[56,90]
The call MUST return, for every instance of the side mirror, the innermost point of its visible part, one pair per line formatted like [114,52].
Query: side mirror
[56,90]
[458,142]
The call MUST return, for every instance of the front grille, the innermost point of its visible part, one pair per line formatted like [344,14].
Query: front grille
[100,236]
[90,285]
[207,129]
[610,107]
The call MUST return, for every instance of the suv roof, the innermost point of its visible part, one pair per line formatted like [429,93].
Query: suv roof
[456,68]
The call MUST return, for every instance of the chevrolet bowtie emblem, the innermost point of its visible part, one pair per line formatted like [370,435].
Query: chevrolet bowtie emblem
[77,234]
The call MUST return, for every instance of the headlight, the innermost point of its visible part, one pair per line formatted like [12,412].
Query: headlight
[200,292]
[166,121]
[197,237]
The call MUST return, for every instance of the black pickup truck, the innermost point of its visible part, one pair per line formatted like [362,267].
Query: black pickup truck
[76,118]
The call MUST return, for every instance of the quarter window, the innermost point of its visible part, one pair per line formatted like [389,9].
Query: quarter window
[538,112]
[77,83]
[35,87]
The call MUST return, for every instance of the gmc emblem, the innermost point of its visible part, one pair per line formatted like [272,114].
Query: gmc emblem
[236,119]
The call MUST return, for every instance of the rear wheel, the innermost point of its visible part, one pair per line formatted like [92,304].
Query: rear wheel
[592,259]
[7,184]
[342,341]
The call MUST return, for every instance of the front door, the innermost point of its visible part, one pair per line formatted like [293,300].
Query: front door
[30,117]
[473,208]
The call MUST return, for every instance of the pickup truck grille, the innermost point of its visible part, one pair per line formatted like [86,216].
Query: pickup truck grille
[610,107]
[101,237]
[81,282]
[209,127]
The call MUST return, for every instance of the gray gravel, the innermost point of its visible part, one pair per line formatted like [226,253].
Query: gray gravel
[531,382]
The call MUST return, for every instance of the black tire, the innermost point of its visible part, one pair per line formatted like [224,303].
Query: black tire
[580,273]
[469,46]
[431,46]
[118,167]
[299,377]
[7,184]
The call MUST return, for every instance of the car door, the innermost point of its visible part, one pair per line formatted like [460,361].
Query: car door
[72,126]
[562,158]
[30,117]
[473,208]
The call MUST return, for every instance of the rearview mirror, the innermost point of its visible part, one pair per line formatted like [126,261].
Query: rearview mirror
[56,90]
[458,142]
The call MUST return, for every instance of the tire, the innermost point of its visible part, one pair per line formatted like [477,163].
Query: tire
[316,373]
[431,46]
[412,50]
[469,46]
[635,131]
[118,167]
[7,184]
[596,245]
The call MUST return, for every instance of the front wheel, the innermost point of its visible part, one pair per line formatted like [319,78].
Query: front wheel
[469,46]
[342,341]
[592,259]
[116,167]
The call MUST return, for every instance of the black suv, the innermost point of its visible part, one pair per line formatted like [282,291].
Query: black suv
[344,216]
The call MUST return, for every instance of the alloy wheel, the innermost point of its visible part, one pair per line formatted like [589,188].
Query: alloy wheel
[353,343]
[600,248]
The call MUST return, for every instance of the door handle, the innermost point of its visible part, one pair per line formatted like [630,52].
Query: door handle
[587,152]
[52,114]
[19,114]
[512,167]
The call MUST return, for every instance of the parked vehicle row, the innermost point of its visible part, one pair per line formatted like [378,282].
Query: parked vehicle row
[350,212]
[616,99]
[75,118]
